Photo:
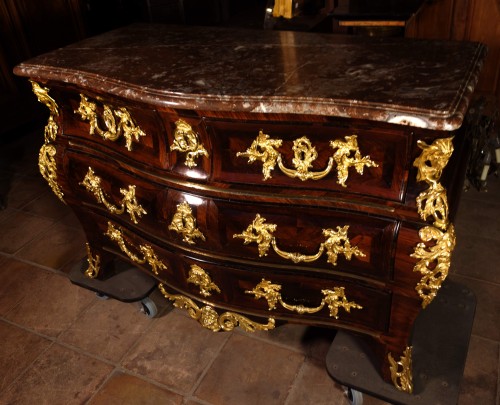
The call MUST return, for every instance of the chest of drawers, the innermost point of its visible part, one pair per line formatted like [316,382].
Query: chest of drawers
[266,176]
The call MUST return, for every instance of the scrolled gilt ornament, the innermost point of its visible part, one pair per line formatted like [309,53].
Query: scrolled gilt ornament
[186,141]
[94,264]
[434,260]
[336,242]
[117,122]
[346,155]
[333,298]
[42,94]
[438,239]
[210,319]
[48,168]
[401,371]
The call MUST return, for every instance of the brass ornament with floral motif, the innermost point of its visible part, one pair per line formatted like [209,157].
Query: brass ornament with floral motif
[129,203]
[42,94]
[184,223]
[336,242]
[438,239]
[346,155]
[93,262]
[148,254]
[208,317]
[200,278]
[117,122]
[186,141]
[332,298]
[401,371]
[48,168]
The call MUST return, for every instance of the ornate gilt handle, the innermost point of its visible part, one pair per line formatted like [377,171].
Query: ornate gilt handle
[346,155]
[92,183]
[336,242]
[186,141]
[149,256]
[117,122]
[334,299]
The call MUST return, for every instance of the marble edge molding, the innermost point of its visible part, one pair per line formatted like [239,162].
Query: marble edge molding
[395,114]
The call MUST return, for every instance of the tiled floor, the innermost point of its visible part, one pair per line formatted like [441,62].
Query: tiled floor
[59,344]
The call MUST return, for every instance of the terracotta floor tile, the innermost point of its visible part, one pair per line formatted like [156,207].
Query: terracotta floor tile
[312,342]
[249,371]
[47,205]
[486,320]
[25,189]
[175,351]
[314,386]
[50,303]
[480,379]
[108,329]
[55,247]
[126,389]
[18,350]
[19,229]
[14,277]
[59,376]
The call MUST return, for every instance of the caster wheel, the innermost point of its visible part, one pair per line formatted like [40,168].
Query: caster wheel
[148,307]
[101,296]
[354,397]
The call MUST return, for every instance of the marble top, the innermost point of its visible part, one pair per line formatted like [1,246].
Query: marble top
[420,83]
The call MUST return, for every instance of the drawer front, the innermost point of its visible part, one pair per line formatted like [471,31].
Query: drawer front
[296,297]
[291,237]
[127,131]
[310,156]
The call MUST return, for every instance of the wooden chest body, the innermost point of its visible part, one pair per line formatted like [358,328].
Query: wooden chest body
[297,197]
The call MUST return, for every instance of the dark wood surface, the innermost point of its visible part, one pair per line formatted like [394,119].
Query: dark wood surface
[159,81]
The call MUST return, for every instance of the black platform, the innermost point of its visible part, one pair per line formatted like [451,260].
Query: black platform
[123,282]
[440,342]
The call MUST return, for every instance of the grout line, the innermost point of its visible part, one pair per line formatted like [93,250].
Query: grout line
[197,383]
[299,373]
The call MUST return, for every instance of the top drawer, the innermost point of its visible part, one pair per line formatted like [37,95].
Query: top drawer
[310,156]
[131,131]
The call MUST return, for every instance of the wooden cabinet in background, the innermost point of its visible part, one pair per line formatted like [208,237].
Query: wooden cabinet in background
[470,20]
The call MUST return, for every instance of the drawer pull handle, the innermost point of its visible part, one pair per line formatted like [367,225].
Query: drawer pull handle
[113,130]
[210,319]
[336,242]
[334,299]
[200,278]
[129,202]
[263,148]
[149,256]
[184,223]
[186,141]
